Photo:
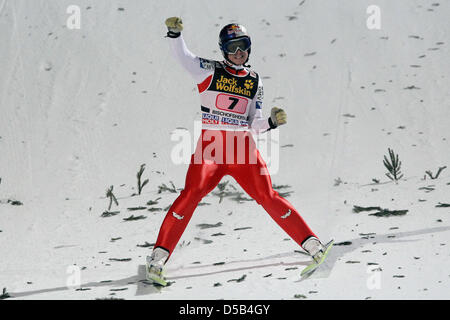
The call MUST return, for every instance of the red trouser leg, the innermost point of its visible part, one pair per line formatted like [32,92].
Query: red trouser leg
[200,180]
[259,187]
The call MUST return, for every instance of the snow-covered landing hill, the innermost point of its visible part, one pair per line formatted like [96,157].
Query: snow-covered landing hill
[81,110]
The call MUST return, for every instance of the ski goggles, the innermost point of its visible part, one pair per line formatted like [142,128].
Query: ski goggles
[232,46]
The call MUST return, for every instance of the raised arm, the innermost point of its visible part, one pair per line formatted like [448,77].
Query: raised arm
[197,67]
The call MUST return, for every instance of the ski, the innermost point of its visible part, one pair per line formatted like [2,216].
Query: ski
[314,265]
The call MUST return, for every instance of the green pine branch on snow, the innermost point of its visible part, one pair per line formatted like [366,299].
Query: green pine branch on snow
[393,164]
[430,174]
[112,197]
[141,184]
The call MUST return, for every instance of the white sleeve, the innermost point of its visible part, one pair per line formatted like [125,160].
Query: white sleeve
[197,67]
[257,122]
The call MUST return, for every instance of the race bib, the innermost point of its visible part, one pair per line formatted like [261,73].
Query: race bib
[231,103]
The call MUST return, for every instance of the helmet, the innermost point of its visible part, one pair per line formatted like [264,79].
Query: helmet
[233,37]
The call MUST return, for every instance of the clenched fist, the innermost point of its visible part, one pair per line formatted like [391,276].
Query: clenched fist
[278,116]
[174,24]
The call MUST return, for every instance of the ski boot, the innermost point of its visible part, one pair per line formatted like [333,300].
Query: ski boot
[318,252]
[154,266]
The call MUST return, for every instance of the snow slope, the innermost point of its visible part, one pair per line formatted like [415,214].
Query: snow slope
[81,110]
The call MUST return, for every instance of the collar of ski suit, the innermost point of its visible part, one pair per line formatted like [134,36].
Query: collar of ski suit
[233,69]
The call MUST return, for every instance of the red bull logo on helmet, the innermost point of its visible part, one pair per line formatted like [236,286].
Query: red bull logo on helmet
[236,30]
[233,29]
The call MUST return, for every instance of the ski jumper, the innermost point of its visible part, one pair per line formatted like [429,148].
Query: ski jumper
[231,108]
